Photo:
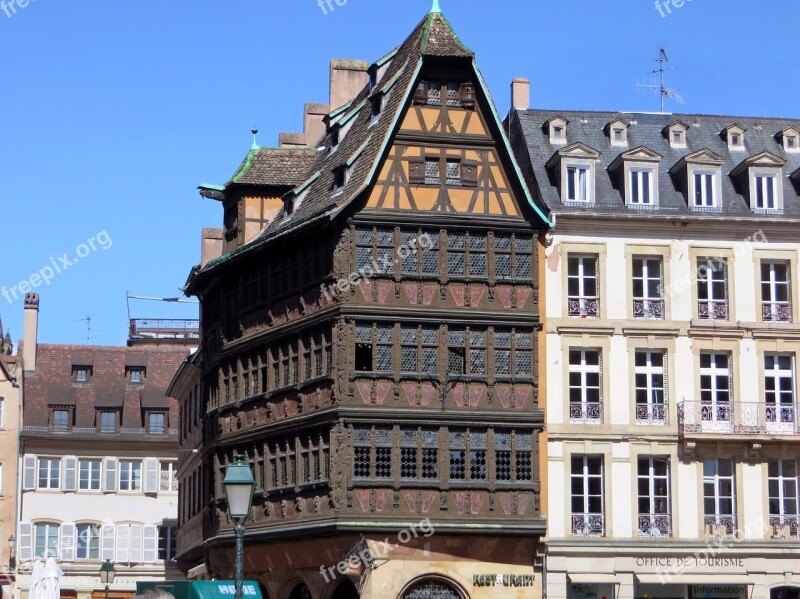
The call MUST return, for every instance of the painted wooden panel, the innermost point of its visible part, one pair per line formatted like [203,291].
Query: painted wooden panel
[441,119]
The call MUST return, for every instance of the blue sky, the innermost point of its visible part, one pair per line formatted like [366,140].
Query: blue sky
[114,111]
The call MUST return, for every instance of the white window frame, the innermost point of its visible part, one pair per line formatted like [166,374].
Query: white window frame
[47,549]
[717,409]
[50,462]
[780,404]
[760,186]
[653,307]
[88,526]
[709,186]
[720,522]
[587,522]
[777,308]
[590,412]
[781,521]
[172,533]
[652,411]
[584,305]
[636,182]
[99,463]
[710,307]
[579,177]
[652,527]
[131,479]
[791,143]
[172,469]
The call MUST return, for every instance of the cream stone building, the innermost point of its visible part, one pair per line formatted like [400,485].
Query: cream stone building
[10,395]
[671,343]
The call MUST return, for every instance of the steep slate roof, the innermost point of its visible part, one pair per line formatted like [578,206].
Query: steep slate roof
[53,384]
[646,130]
[274,166]
[365,144]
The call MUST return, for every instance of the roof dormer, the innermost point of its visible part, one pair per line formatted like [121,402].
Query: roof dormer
[617,132]
[676,134]
[699,176]
[637,173]
[574,168]
[734,135]
[790,138]
[556,129]
[761,178]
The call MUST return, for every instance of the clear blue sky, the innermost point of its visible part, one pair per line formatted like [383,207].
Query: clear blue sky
[114,111]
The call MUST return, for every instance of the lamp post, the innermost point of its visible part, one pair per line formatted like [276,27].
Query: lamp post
[12,544]
[107,574]
[239,485]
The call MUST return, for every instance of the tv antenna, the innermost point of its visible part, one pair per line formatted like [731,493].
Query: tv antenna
[662,90]
[89,329]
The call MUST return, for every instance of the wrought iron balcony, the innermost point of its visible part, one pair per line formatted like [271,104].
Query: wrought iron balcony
[583,307]
[784,527]
[776,312]
[588,525]
[648,309]
[713,310]
[652,414]
[754,418]
[586,413]
[156,329]
[720,526]
[655,525]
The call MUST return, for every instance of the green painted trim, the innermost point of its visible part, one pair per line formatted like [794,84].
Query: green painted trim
[393,80]
[358,153]
[340,110]
[237,177]
[211,187]
[303,186]
[507,145]
[426,33]
[387,58]
[344,120]
[455,35]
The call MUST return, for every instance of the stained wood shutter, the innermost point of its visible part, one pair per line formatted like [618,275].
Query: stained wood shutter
[25,549]
[421,93]
[467,94]
[151,475]
[469,173]
[29,473]
[70,473]
[150,544]
[68,542]
[136,533]
[110,475]
[123,543]
[107,541]
[416,170]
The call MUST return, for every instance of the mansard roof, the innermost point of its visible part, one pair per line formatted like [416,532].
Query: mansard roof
[703,142]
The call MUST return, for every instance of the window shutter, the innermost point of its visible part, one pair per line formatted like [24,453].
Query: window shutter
[70,473]
[25,549]
[107,541]
[150,544]
[416,171]
[151,475]
[136,533]
[68,542]
[29,473]
[110,479]
[469,173]
[467,94]
[123,543]
[2,412]
[421,93]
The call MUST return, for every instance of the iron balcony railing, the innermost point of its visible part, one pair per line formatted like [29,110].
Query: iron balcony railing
[712,310]
[583,307]
[586,413]
[588,525]
[648,309]
[784,527]
[99,431]
[162,329]
[654,414]
[776,312]
[720,526]
[655,525]
[753,418]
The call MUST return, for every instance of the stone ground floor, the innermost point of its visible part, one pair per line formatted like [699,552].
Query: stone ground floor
[83,582]
[404,566]
[666,570]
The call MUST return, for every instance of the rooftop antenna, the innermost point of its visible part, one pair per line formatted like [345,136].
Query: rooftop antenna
[89,329]
[663,91]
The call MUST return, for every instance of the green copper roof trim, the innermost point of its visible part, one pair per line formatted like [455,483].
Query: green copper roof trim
[393,80]
[211,187]
[344,120]
[387,58]
[358,153]
[507,145]
[340,110]
[303,186]
[248,163]
[426,34]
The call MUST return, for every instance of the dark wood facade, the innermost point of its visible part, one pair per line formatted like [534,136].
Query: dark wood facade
[378,366]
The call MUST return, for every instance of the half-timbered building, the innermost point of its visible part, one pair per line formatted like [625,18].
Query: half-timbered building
[369,344]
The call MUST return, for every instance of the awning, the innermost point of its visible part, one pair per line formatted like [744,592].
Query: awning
[222,589]
[593,578]
[695,578]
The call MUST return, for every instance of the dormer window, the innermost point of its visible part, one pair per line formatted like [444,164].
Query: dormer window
[700,175]
[735,137]
[136,375]
[373,77]
[334,138]
[376,104]
[791,139]
[339,178]
[557,130]
[676,134]
[637,172]
[762,176]
[81,374]
[574,166]
[617,132]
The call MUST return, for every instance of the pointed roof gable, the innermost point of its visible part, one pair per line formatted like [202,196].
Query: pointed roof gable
[761,159]
[704,156]
[576,150]
[439,39]
[640,154]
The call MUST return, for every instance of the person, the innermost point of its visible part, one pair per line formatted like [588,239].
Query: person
[155,594]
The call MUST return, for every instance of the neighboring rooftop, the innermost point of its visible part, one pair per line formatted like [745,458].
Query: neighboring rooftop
[280,167]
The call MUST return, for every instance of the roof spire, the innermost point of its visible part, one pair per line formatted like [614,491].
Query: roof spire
[436,8]
[254,130]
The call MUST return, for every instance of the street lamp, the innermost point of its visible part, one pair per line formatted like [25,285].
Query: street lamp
[12,544]
[107,574]
[239,485]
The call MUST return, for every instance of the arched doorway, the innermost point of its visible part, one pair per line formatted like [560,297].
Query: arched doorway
[785,593]
[431,589]
[300,592]
[346,590]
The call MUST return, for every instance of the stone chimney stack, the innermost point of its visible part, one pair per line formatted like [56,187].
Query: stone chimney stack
[211,247]
[31,332]
[313,125]
[520,94]
[348,78]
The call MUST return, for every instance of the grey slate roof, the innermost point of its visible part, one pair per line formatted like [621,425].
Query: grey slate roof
[646,130]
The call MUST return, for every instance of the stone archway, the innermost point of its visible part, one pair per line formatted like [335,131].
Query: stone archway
[431,589]
[300,592]
[785,593]
[346,590]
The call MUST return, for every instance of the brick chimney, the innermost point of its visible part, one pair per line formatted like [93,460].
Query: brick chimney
[521,94]
[31,332]
[348,78]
